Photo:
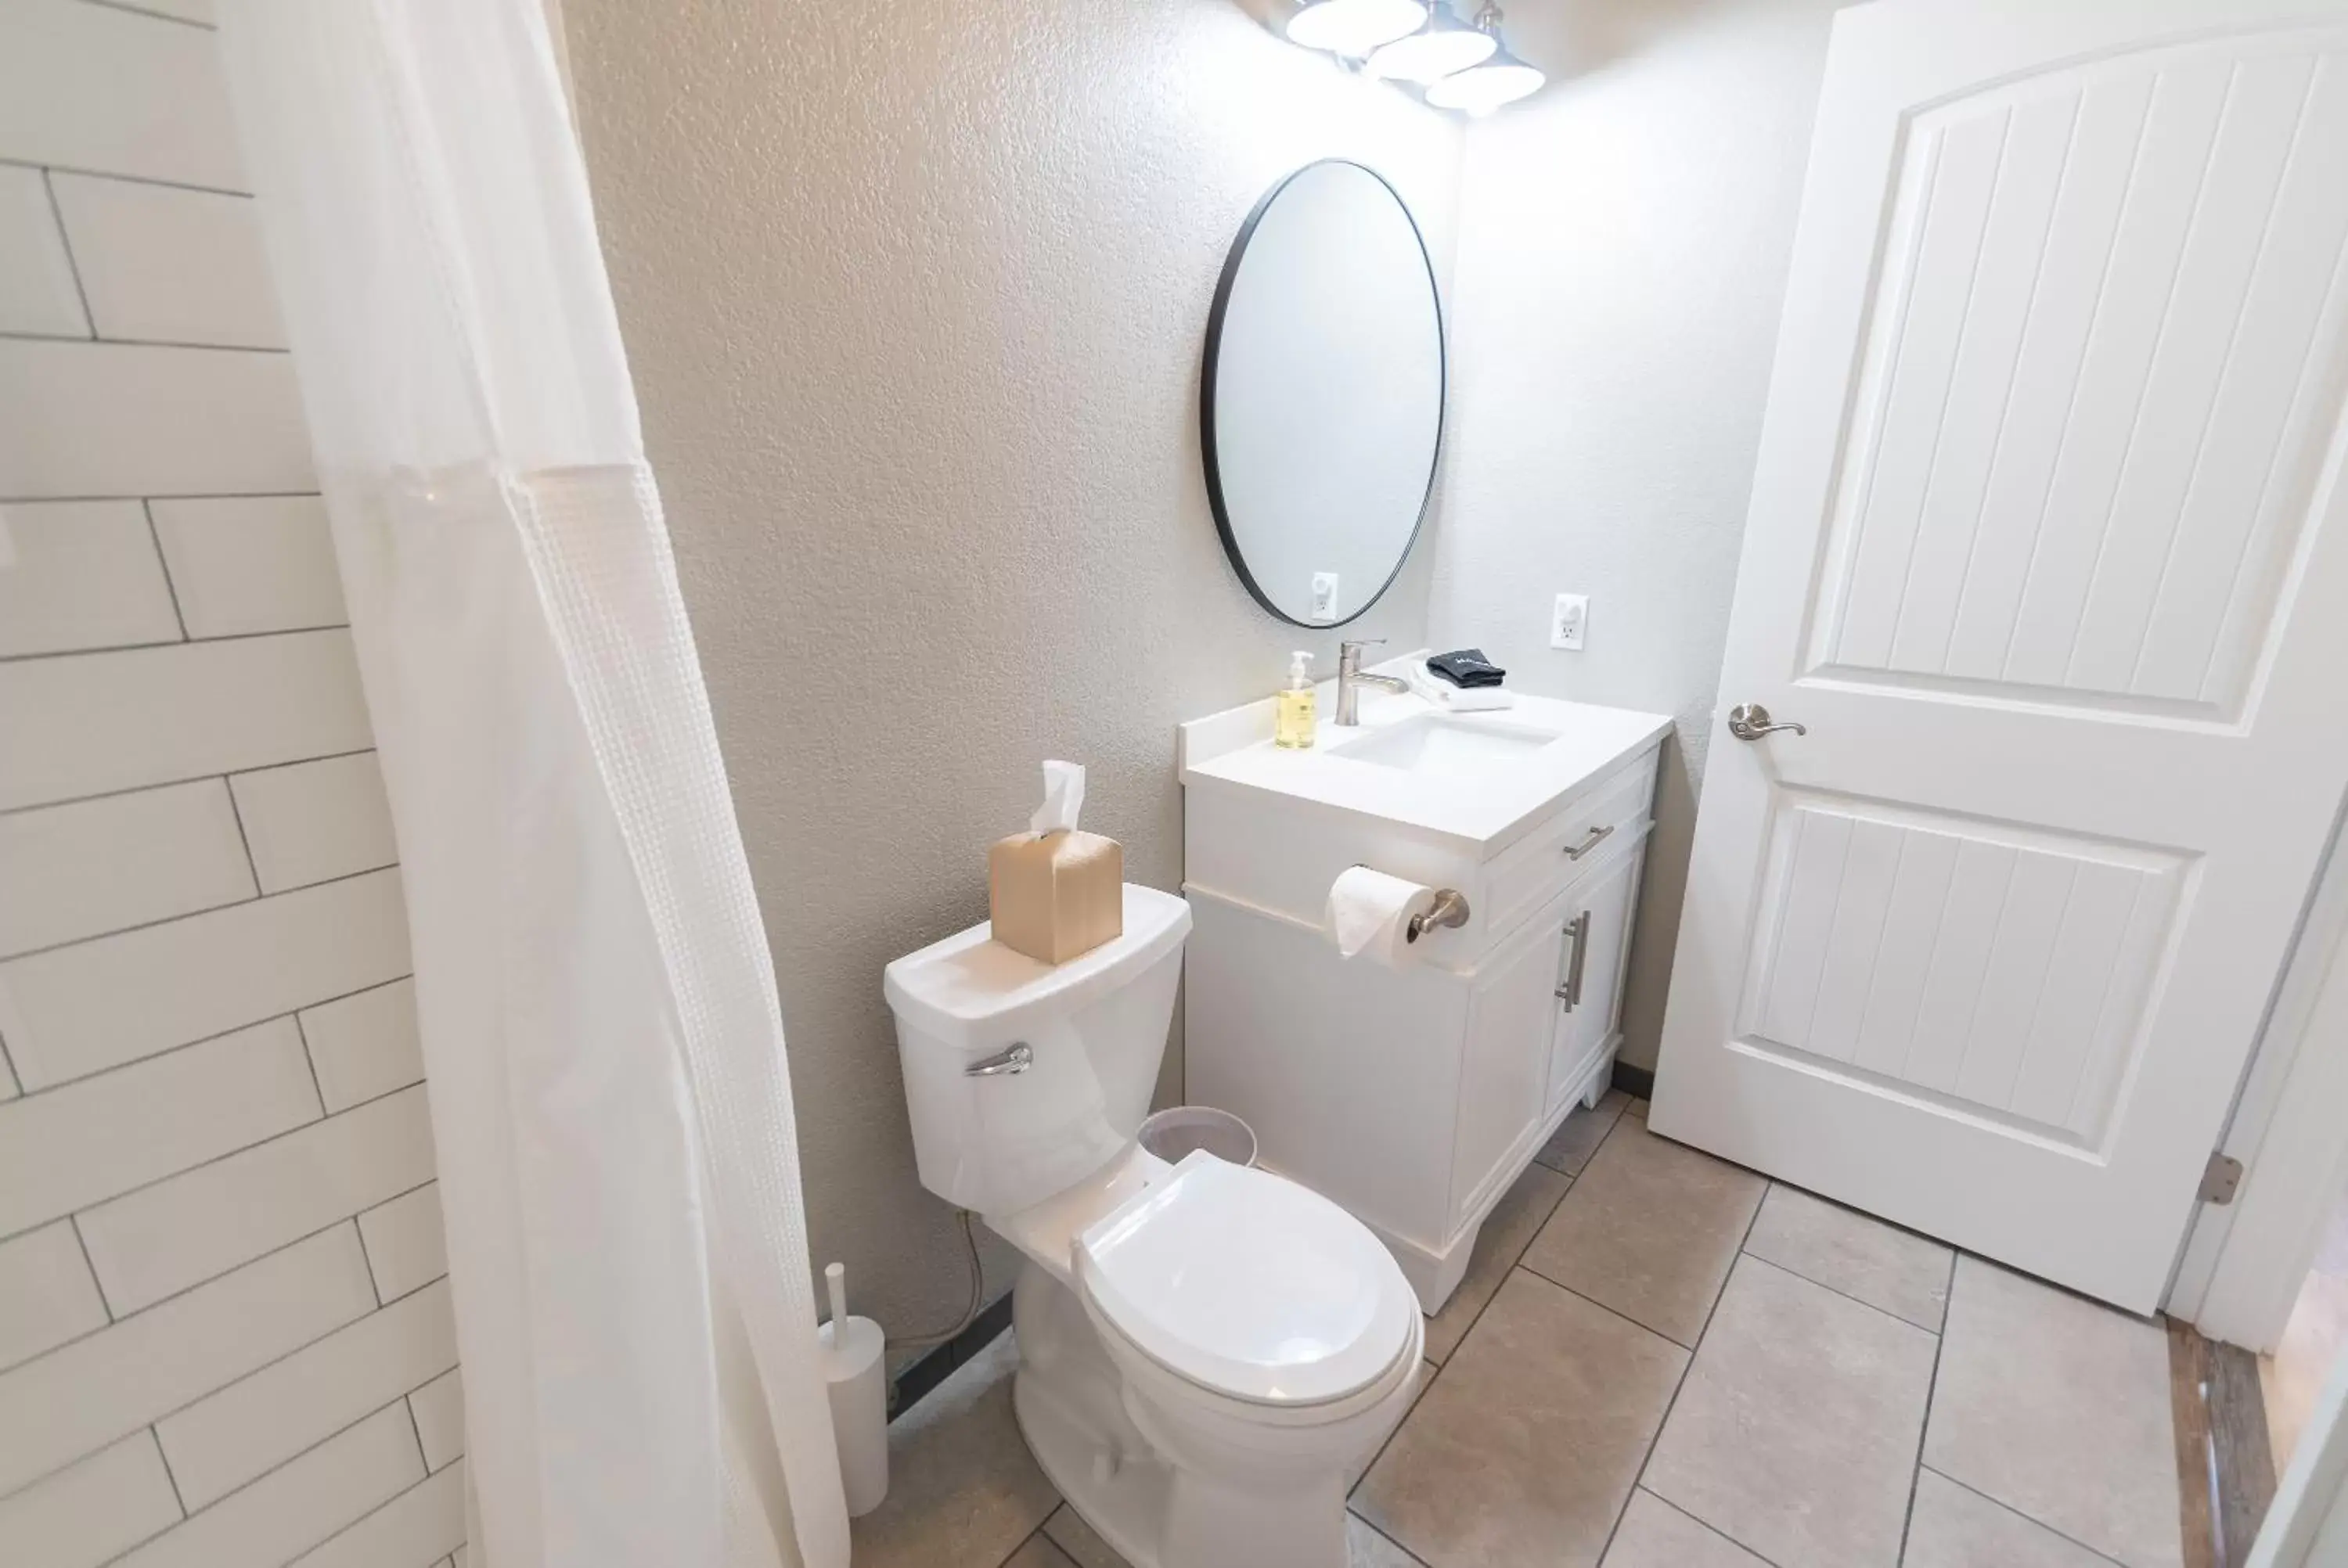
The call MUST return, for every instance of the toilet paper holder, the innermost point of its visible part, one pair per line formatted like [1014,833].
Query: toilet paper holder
[1450,909]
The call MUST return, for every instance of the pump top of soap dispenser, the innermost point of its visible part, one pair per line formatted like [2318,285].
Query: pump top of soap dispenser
[1299,671]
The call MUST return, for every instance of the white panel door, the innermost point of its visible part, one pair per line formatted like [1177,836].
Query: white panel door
[2048,551]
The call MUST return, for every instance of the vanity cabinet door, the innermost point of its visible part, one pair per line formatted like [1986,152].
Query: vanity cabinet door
[1598,921]
[1504,1067]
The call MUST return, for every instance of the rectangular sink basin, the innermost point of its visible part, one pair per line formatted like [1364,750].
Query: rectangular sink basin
[1438,745]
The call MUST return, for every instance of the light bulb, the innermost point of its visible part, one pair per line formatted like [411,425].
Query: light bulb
[1355,27]
[1445,46]
[1501,79]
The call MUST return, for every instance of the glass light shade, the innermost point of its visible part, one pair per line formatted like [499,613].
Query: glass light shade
[1501,79]
[1355,27]
[1445,46]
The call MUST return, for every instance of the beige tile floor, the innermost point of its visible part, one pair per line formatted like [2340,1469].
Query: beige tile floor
[1659,1360]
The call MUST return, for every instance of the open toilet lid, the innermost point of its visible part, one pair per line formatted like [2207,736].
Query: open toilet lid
[1249,1285]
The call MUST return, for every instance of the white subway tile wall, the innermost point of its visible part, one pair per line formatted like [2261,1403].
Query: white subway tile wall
[251,563]
[225,1335]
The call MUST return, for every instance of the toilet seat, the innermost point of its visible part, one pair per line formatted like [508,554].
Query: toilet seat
[1249,1286]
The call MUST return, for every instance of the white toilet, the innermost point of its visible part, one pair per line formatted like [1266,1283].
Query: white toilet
[1210,1354]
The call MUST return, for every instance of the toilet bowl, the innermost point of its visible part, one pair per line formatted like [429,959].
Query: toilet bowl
[1210,1354]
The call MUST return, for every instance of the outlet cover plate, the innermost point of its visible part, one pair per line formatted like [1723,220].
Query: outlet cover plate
[1569,621]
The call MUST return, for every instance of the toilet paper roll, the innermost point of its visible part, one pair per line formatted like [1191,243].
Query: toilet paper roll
[1369,914]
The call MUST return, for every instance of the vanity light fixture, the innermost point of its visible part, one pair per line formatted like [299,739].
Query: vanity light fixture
[1500,79]
[1355,28]
[1444,47]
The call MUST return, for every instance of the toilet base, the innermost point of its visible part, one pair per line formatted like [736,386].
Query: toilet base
[1073,1407]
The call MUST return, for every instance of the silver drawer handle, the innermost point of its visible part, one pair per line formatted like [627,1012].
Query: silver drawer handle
[1598,836]
[1016,1059]
[1581,952]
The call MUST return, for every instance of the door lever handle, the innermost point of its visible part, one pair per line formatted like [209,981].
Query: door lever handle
[1751,721]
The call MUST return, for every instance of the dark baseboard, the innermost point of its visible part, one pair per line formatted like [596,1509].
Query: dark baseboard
[932,1367]
[1635,1082]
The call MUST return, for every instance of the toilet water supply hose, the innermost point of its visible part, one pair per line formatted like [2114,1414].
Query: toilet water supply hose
[977,1290]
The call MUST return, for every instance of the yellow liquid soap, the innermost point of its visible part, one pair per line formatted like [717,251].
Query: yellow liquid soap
[1295,714]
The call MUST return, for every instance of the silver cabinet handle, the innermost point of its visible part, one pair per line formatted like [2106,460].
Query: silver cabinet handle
[1016,1059]
[1751,721]
[1581,950]
[1598,836]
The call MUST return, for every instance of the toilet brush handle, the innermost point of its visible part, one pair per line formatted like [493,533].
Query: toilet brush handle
[834,1284]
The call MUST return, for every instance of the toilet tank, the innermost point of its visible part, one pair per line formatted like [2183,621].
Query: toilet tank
[1095,1031]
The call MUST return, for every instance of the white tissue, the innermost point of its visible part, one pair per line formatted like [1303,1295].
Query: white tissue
[1064,797]
[1457,698]
[1369,913]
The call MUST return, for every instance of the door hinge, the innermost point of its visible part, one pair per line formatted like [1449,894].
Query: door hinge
[2221,1179]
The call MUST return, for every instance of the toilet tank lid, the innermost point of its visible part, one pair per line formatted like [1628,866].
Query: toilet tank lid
[970,989]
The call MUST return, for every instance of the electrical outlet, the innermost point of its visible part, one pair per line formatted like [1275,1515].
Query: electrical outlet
[1569,621]
[1324,595]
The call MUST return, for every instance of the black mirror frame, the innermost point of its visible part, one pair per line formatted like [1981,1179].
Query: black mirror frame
[1215,314]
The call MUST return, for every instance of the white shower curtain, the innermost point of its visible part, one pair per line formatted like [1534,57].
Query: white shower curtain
[618,1164]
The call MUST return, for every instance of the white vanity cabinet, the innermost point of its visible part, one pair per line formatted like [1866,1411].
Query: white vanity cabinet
[1416,1094]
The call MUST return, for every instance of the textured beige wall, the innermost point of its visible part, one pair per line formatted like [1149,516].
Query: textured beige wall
[913,295]
[1623,241]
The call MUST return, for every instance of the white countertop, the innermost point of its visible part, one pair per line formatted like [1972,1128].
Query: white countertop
[1233,749]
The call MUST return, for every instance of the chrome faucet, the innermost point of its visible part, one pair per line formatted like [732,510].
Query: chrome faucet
[1350,677]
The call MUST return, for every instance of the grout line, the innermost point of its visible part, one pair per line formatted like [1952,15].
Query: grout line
[173,782]
[302,762]
[73,268]
[232,1154]
[243,838]
[177,1496]
[349,1525]
[395,1197]
[1681,1386]
[135,10]
[163,1416]
[1416,1560]
[220,1034]
[1994,1503]
[163,564]
[407,1403]
[10,335]
[1847,1296]
[82,172]
[311,1062]
[8,1063]
[1711,1530]
[236,903]
[1931,1392]
[1514,1263]
[281,1464]
[190,642]
[309,495]
[1037,1534]
[210,910]
[90,1263]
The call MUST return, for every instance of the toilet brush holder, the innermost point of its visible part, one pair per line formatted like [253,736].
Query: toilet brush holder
[854,1350]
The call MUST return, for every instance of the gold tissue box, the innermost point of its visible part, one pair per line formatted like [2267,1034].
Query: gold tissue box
[1056,895]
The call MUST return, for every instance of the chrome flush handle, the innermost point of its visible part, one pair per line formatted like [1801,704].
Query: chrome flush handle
[1018,1057]
[1751,721]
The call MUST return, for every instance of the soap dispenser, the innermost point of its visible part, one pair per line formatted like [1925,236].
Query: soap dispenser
[1292,724]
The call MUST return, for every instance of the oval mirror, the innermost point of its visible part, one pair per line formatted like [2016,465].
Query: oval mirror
[1321,405]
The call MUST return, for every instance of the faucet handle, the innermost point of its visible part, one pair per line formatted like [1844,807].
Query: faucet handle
[1350,650]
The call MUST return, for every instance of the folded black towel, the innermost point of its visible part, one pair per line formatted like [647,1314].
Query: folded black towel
[1467,667]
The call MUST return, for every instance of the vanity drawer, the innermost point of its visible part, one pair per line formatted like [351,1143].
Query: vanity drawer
[1524,876]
